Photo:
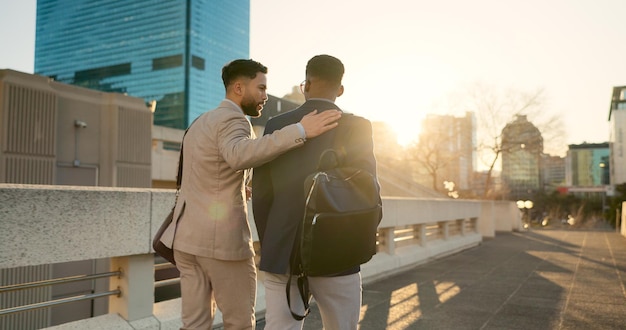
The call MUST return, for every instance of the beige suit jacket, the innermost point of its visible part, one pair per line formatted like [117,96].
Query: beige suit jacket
[210,217]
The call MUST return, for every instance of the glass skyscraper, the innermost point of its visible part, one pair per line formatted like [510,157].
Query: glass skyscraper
[169,51]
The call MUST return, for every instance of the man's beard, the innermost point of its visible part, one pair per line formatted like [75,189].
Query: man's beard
[250,108]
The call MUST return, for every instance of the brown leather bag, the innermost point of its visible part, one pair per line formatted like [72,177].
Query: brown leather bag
[158,246]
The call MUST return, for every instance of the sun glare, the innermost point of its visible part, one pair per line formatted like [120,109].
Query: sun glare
[407,131]
[401,95]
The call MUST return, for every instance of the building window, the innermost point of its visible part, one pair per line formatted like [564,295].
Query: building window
[167,62]
[94,78]
[103,72]
[174,146]
[197,62]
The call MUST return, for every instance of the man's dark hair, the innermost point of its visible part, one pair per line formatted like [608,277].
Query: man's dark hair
[326,67]
[241,68]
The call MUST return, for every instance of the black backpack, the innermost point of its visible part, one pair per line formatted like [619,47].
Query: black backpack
[338,230]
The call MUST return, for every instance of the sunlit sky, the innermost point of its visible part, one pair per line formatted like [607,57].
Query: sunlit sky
[405,58]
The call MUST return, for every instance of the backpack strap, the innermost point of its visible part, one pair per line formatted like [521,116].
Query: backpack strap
[303,280]
[305,294]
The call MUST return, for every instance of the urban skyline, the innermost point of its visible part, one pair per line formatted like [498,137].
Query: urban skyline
[569,49]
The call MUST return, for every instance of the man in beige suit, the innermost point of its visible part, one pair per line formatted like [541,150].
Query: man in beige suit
[210,235]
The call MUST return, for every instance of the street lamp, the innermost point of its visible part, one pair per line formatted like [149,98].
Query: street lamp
[525,207]
[605,182]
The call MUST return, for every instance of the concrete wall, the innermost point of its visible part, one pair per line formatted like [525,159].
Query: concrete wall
[507,216]
[499,216]
[55,133]
[165,161]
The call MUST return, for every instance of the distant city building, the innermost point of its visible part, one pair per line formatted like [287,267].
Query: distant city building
[295,96]
[479,181]
[553,171]
[522,148]
[617,138]
[168,51]
[447,149]
[274,106]
[587,165]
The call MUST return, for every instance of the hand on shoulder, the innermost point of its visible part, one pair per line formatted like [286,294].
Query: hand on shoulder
[316,124]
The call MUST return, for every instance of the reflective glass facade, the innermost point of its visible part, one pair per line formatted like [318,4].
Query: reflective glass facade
[169,51]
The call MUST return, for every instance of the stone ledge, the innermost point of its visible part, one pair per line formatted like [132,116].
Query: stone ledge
[52,224]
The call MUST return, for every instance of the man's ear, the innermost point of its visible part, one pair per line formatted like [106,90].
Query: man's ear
[239,88]
[340,91]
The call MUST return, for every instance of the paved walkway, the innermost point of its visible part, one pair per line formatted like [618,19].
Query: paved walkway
[537,279]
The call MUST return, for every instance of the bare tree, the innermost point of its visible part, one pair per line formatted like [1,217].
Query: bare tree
[436,151]
[494,108]
[443,152]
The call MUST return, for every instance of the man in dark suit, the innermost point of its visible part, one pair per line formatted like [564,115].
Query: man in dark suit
[278,204]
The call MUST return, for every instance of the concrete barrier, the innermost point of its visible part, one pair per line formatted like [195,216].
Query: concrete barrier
[52,224]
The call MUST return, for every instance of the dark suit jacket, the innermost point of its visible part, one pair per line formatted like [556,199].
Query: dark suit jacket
[278,186]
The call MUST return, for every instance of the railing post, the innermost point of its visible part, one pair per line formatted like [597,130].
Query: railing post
[461,224]
[388,236]
[136,284]
[422,231]
[445,230]
[417,235]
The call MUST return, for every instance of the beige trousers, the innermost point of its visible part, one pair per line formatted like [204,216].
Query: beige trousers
[207,282]
[338,299]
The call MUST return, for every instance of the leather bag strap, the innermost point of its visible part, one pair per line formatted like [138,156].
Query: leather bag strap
[179,176]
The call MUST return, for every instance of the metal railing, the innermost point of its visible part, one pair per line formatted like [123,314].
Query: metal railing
[171,281]
[62,280]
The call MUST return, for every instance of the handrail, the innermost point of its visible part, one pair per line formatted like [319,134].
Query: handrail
[167,282]
[68,279]
[163,266]
[50,303]
[55,302]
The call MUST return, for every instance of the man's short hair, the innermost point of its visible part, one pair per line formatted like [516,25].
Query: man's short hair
[326,67]
[241,68]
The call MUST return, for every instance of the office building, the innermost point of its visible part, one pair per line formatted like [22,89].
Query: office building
[587,165]
[168,51]
[617,140]
[58,134]
[553,171]
[522,148]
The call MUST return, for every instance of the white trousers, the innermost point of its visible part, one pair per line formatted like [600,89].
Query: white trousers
[338,299]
